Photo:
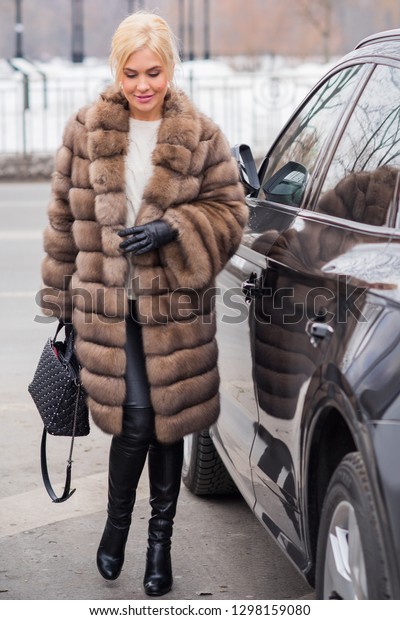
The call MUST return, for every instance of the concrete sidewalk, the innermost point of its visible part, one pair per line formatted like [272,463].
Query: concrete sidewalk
[48,550]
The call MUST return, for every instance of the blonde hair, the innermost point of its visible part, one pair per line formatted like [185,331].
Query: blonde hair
[139,30]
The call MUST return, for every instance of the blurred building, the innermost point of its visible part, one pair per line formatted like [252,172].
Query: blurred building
[301,28]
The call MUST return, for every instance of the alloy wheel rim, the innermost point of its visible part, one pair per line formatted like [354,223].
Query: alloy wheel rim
[187,452]
[345,575]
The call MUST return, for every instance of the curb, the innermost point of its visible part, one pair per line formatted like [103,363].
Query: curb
[32,167]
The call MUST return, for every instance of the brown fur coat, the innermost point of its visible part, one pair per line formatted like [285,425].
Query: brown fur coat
[195,188]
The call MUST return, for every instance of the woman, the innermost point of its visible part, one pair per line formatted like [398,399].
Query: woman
[146,209]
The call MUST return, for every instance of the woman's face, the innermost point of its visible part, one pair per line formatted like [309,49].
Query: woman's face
[144,83]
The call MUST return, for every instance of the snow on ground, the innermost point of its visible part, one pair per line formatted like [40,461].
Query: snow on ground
[37,98]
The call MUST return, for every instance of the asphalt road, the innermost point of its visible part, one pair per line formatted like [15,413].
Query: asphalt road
[220,551]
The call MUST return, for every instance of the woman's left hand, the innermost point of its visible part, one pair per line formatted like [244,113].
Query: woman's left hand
[142,239]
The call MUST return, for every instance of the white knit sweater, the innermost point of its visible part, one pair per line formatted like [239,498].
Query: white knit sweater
[138,169]
[138,166]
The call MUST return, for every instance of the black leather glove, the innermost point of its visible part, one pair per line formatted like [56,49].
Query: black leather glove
[142,239]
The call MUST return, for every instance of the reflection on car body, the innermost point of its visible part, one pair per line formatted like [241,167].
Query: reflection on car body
[309,336]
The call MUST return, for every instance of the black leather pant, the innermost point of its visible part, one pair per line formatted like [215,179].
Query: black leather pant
[137,385]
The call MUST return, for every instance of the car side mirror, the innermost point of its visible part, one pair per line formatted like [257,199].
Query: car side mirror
[287,185]
[247,167]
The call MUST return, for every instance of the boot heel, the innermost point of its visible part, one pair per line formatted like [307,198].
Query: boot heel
[158,575]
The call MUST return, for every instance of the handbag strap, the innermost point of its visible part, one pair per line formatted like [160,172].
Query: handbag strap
[69,339]
[43,461]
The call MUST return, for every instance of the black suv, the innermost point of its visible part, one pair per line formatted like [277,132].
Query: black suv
[309,335]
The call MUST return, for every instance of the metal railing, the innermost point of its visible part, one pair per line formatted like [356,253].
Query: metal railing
[249,107]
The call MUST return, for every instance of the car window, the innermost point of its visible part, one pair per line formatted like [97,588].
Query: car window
[294,156]
[363,173]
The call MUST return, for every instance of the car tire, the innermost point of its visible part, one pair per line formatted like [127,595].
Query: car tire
[350,558]
[203,472]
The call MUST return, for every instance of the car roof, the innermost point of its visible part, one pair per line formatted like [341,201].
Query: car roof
[375,48]
[380,37]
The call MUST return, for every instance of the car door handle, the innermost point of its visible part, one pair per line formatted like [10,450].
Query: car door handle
[318,331]
[251,287]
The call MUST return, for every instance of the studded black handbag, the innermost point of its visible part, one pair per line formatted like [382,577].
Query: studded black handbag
[60,399]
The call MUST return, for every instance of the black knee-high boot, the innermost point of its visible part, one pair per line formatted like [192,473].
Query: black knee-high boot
[165,466]
[127,458]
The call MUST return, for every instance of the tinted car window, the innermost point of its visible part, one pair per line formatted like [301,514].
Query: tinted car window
[362,175]
[294,156]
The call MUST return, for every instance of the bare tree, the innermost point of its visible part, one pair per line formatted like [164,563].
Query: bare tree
[319,14]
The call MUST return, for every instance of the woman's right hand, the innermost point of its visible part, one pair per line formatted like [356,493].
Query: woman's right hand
[147,237]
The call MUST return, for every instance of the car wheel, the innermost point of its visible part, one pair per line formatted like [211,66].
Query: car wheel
[203,472]
[350,558]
